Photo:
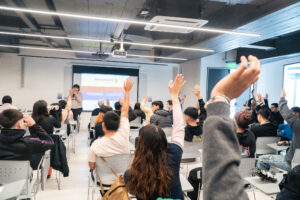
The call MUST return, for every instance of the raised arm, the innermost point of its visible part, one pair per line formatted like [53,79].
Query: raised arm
[125,107]
[143,107]
[197,92]
[287,115]
[178,122]
[221,174]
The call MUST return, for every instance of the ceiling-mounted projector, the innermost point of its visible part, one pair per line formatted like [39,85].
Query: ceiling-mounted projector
[119,53]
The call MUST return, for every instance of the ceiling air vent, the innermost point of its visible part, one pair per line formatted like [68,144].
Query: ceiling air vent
[188,22]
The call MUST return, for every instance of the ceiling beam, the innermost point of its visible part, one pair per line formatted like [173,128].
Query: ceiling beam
[28,19]
[51,6]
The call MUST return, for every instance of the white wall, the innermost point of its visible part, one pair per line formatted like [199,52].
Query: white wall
[44,78]
[216,60]
[191,72]
[271,78]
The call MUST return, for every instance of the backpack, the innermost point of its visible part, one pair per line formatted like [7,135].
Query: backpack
[290,184]
[117,190]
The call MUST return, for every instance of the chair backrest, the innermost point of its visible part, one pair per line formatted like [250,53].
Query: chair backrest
[168,131]
[296,158]
[136,122]
[119,163]
[262,147]
[192,147]
[92,121]
[246,167]
[11,170]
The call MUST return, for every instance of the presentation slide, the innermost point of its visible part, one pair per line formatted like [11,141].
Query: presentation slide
[103,86]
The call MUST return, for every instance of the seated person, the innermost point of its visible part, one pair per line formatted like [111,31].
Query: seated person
[98,128]
[191,116]
[13,144]
[146,110]
[265,128]
[155,169]
[246,138]
[118,106]
[139,112]
[6,104]
[275,116]
[283,162]
[95,112]
[160,117]
[47,120]
[116,129]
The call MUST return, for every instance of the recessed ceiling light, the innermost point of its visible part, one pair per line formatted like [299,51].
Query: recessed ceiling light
[86,52]
[107,41]
[127,21]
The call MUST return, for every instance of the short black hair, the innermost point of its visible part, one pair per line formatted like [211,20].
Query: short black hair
[158,103]
[170,102]
[111,121]
[275,105]
[7,99]
[191,112]
[9,117]
[264,112]
[295,109]
[76,86]
[118,106]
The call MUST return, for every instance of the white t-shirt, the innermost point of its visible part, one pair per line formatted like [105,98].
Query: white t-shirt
[109,146]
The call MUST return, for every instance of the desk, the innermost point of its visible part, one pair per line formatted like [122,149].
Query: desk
[277,148]
[185,184]
[12,189]
[266,187]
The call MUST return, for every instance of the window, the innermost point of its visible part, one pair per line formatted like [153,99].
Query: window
[291,84]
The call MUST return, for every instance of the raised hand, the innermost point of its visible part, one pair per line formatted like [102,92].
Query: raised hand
[176,86]
[233,85]
[283,93]
[266,96]
[28,121]
[197,91]
[146,98]
[128,84]
[259,98]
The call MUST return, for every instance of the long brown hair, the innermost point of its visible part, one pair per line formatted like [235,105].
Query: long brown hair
[150,174]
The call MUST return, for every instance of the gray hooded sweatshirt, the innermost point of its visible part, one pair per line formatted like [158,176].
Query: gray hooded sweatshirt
[294,124]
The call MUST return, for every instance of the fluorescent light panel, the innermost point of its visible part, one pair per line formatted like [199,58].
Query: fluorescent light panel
[127,21]
[106,41]
[86,52]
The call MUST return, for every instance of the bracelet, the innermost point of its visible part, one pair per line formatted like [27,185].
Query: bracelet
[227,100]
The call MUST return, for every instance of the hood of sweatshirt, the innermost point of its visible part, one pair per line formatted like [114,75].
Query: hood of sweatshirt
[11,135]
[163,113]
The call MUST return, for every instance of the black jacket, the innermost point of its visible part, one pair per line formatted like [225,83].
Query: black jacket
[275,117]
[14,146]
[161,118]
[190,131]
[247,140]
[131,114]
[264,130]
[58,156]
[140,113]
